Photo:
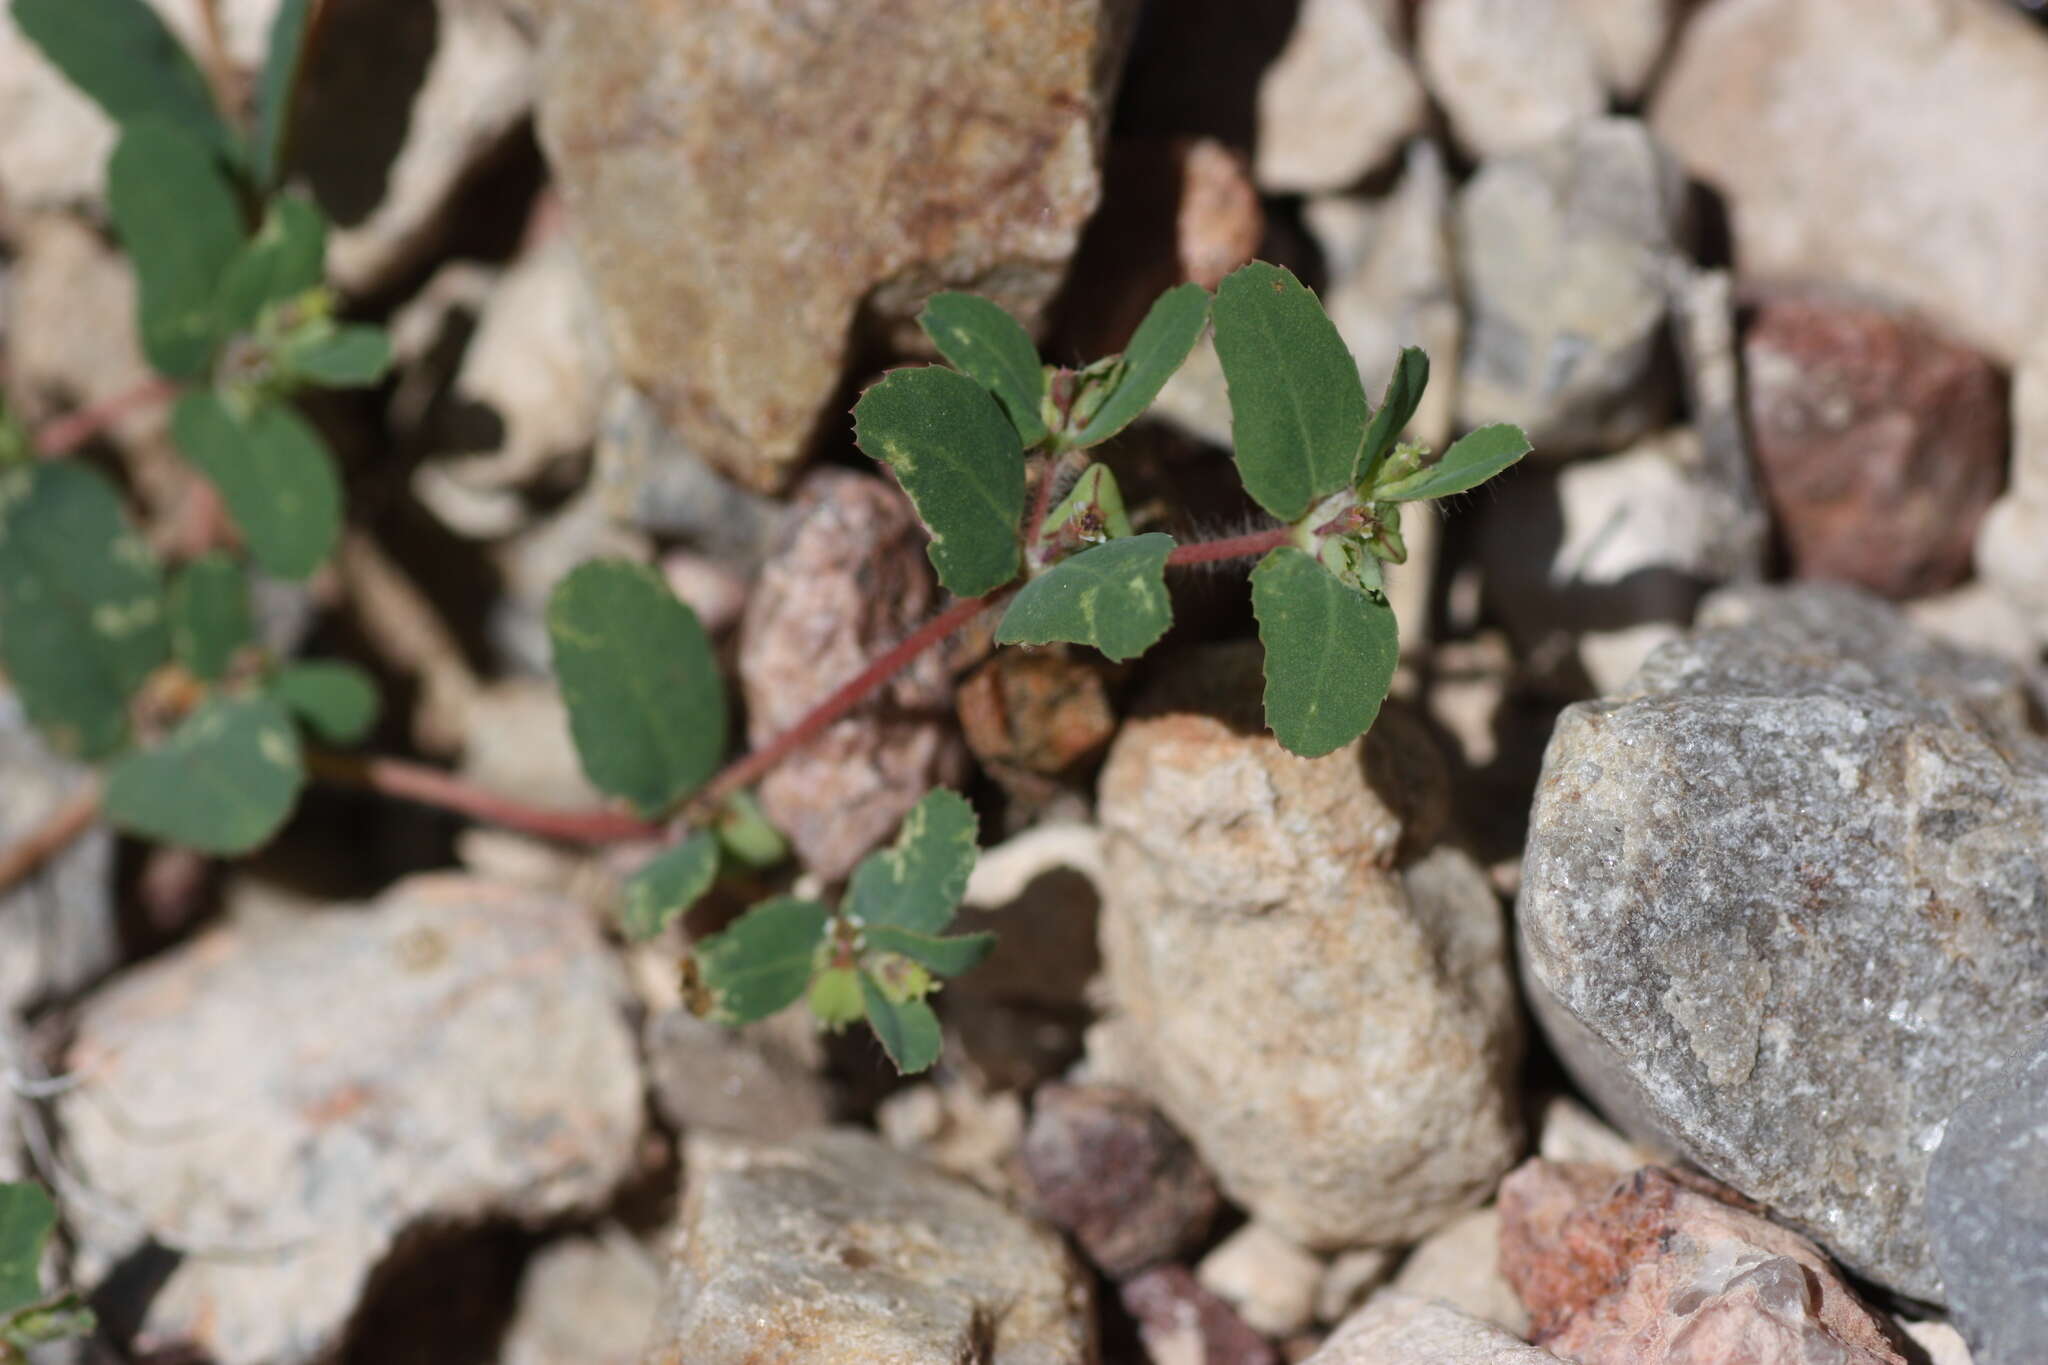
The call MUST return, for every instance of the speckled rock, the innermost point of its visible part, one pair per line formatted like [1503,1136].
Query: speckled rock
[1408,1329]
[881,151]
[1308,981]
[1337,101]
[294,1096]
[1179,1320]
[1780,905]
[57,928]
[760,1081]
[584,1301]
[1987,1210]
[834,1250]
[1105,1166]
[1510,73]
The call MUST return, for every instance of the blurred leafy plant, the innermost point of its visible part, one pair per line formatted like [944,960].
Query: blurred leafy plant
[28,1316]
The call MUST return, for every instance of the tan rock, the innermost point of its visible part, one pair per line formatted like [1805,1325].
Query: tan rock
[1336,102]
[1407,1329]
[1510,73]
[1269,1280]
[1460,1264]
[1627,37]
[584,1301]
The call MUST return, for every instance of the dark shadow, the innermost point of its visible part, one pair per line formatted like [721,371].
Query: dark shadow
[444,1296]
[368,62]
[121,1301]
[1195,65]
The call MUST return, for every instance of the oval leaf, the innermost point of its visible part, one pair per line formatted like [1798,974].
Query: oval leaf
[81,604]
[992,348]
[223,782]
[667,887]
[1297,410]
[177,215]
[120,53]
[275,474]
[959,459]
[917,883]
[286,257]
[764,960]
[350,357]
[1330,653]
[26,1217]
[210,614]
[646,704]
[1110,596]
[1404,394]
[1470,461]
[337,700]
[944,956]
[279,84]
[907,1030]
[1159,346]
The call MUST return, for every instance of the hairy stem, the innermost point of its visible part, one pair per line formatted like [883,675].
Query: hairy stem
[443,790]
[72,817]
[1236,547]
[62,435]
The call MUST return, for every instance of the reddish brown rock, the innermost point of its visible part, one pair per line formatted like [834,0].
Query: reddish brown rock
[1109,1168]
[1178,1320]
[1881,443]
[1665,1268]
[1035,713]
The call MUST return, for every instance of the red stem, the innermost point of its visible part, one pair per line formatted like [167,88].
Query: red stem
[433,787]
[62,435]
[1236,547]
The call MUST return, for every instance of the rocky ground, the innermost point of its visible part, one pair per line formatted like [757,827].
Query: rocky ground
[1714,800]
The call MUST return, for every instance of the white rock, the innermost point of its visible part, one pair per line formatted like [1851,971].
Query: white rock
[1406,1329]
[58,928]
[958,1128]
[1568,1131]
[1348,1278]
[1336,102]
[519,746]
[1460,1265]
[1269,1280]
[1510,73]
[1627,38]
[2012,544]
[585,1301]
[1944,1344]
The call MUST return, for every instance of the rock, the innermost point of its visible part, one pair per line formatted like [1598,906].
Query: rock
[1219,220]
[649,479]
[584,1301]
[1564,250]
[1407,1329]
[959,1128]
[1260,907]
[1703,333]
[54,141]
[290,1100]
[1568,1132]
[1029,717]
[1942,1343]
[1107,1167]
[1336,102]
[1182,1323]
[59,929]
[531,562]
[761,1081]
[1880,443]
[2012,546]
[1654,1269]
[1627,38]
[1459,1264]
[1269,1280]
[831,1249]
[1510,73]
[1987,1209]
[519,745]
[1979,618]
[918,145]
[1902,150]
[1349,1278]
[847,580]
[1803,1043]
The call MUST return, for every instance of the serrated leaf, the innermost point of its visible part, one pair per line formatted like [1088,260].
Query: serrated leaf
[1110,596]
[347,357]
[764,959]
[274,92]
[1404,394]
[907,1030]
[1095,502]
[665,889]
[26,1217]
[121,55]
[1297,410]
[337,700]
[1330,653]
[286,257]
[177,215]
[274,473]
[959,459]
[1470,461]
[210,621]
[979,338]
[81,604]
[917,883]
[944,955]
[223,782]
[835,998]
[1159,346]
[646,704]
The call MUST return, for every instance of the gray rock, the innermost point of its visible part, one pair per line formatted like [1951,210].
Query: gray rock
[1987,1210]
[757,1081]
[1336,102]
[650,479]
[1407,1329]
[58,928]
[584,1301]
[1781,905]
[285,1101]
[1510,73]
[832,1249]
[1565,249]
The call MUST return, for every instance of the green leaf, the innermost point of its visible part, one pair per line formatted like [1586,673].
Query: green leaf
[1162,341]
[177,215]
[666,888]
[26,1217]
[745,832]
[223,782]
[1095,503]
[1469,462]
[1111,596]
[835,997]
[63,1317]
[978,337]
[81,604]
[1330,653]
[917,883]
[349,357]
[1297,410]
[764,960]
[1403,396]
[17,446]
[959,459]
[337,700]
[945,956]
[210,614]
[646,704]
[274,93]
[907,1029]
[119,53]
[286,257]
[275,474]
